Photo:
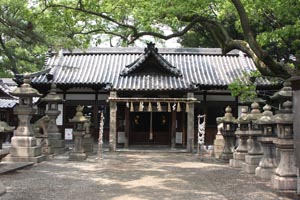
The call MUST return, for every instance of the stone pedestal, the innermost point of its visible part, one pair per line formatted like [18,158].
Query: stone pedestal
[88,145]
[219,144]
[77,153]
[24,146]
[255,153]
[267,165]
[241,151]
[285,177]
[227,152]
[54,136]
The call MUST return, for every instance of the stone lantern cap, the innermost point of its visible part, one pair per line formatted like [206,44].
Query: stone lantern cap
[79,118]
[255,113]
[285,115]
[285,93]
[4,127]
[52,96]
[267,116]
[228,118]
[25,90]
[243,119]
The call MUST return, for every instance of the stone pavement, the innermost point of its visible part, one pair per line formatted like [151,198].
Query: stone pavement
[135,176]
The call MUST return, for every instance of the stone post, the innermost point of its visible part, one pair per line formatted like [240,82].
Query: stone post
[254,148]
[228,133]
[113,122]
[23,143]
[87,141]
[219,142]
[77,152]
[296,113]
[268,162]
[242,134]
[173,130]
[54,136]
[285,177]
[190,125]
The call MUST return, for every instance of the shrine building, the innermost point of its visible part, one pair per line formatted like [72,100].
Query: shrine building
[148,96]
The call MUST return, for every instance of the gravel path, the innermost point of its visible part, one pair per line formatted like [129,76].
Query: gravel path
[135,176]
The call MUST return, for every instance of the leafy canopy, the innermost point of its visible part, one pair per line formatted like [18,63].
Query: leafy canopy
[264,29]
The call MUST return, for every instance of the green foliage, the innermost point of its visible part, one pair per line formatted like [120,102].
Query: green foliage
[245,87]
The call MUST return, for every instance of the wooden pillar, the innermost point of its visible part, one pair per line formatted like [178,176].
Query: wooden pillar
[173,130]
[127,127]
[112,122]
[95,115]
[190,125]
[183,129]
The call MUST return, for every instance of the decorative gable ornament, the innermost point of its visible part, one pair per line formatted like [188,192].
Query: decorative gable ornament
[151,63]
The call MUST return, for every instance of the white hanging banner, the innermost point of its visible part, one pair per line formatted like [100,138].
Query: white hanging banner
[201,129]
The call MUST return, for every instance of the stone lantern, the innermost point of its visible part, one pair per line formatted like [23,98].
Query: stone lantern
[54,136]
[285,177]
[268,162]
[77,152]
[23,143]
[228,133]
[255,153]
[242,134]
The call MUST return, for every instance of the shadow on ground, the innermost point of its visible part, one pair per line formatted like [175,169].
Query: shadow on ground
[135,176]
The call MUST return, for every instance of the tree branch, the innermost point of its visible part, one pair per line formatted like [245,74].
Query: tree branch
[268,63]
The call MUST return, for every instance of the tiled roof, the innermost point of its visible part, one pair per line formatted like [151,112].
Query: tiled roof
[206,68]
[6,86]
[8,103]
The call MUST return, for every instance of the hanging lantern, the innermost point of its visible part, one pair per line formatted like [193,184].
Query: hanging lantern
[141,107]
[187,107]
[169,107]
[131,107]
[149,107]
[178,107]
[158,106]
[127,104]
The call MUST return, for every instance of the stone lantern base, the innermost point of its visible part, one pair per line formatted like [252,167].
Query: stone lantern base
[265,173]
[268,162]
[285,177]
[284,183]
[238,159]
[24,149]
[88,145]
[77,156]
[2,189]
[57,144]
[251,163]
